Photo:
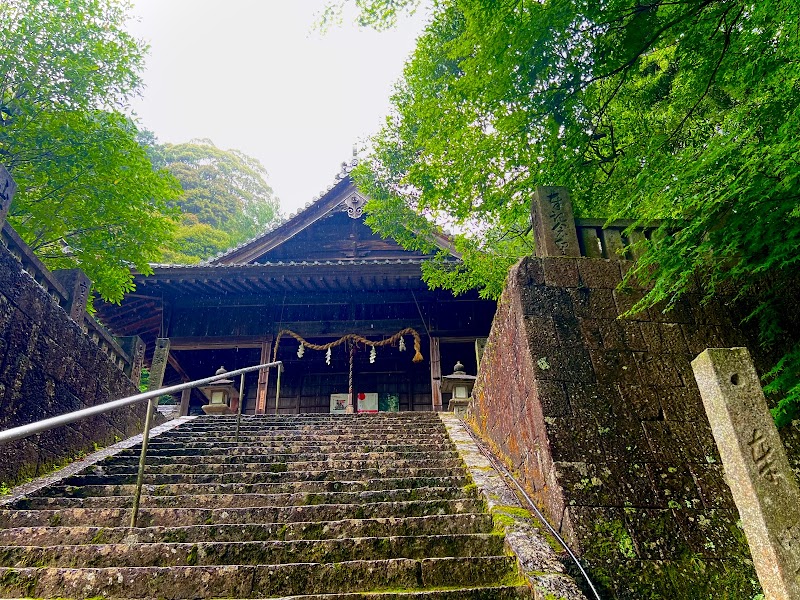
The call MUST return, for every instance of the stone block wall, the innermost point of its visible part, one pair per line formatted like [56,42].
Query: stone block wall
[602,420]
[49,366]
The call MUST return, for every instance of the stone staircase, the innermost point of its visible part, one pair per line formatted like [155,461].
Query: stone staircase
[312,506]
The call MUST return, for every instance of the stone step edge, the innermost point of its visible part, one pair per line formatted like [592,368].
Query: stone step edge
[446,593]
[459,506]
[330,525]
[320,474]
[148,488]
[391,468]
[258,580]
[89,460]
[184,500]
[542,565]
[402,543]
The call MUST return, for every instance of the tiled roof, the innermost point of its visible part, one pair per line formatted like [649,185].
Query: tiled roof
[344,172]
[295,263]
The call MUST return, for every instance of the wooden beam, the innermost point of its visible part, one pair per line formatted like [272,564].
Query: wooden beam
[213,286]
[209,343]
[177,366]
[140,325]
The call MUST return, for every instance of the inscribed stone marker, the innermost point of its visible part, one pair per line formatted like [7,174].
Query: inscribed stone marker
[756,468]
[553,223]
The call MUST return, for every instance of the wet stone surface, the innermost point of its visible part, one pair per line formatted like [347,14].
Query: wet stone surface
[301,507]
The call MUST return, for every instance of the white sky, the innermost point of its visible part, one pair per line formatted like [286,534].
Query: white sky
[254,75]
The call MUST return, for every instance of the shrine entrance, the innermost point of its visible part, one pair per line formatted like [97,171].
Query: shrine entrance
[321,275]
[351,374]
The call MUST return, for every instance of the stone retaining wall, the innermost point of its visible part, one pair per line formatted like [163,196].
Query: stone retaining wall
[51,364]
[602,420]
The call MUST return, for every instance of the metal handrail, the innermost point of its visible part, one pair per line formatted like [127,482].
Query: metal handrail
[23,431]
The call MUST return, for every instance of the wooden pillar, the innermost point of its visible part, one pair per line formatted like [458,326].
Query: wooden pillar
[186,395]
[436,375]
[263,379]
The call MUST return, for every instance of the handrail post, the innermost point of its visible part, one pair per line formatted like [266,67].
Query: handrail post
[239,408]
[278,388]
[157,368]
[148,420]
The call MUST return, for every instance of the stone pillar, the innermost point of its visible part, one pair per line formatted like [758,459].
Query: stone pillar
[8,187]
[135,347]
[159,365]
[436,375]
[553,223]
[77,285]
[756,467]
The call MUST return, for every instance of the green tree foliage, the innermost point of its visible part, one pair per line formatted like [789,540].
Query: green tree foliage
[88,195]
[686,111]
[226,199]
[378,14]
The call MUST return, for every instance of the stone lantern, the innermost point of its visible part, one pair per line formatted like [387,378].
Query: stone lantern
[460,385]
[220,394]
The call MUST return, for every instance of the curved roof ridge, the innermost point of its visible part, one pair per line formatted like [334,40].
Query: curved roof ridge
[343,175]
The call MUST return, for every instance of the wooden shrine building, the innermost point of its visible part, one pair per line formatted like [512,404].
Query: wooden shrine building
[321,274]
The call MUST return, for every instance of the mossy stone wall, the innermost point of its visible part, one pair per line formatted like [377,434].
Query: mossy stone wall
[601,418]
[48,366]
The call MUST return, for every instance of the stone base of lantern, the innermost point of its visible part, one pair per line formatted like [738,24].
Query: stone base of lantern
[217,409]
[459,406]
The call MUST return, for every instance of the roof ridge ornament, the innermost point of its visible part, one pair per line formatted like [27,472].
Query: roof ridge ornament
[354,205]
[347,167]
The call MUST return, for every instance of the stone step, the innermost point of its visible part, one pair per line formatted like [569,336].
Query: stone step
[301,530]
[155,478]
[178,489]
[423,443]
[282,455]
[370,419]
[243,500]
[305,434]
[180,451]
[229,428]
[246,581]
[381,416]
[229,423]
[299,443]
[116,517]
[481,593]
[281,467]
[326,438]
[247,454]
[253,552]
[256,463]
[264,453]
